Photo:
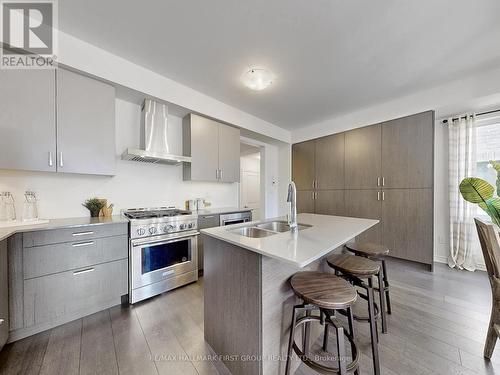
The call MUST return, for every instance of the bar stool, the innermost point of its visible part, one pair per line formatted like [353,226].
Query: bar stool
[375,252]
[360,272]
[326,293]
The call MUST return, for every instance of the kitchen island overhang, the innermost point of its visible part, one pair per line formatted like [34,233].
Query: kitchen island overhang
[248,301]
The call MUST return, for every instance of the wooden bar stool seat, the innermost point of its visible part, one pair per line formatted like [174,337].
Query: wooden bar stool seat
[357,266]
[323,290]
[326,293]
[376,252]
[360,272]
[367,249]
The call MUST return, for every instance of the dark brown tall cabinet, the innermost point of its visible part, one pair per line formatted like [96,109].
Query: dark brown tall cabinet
[383,171]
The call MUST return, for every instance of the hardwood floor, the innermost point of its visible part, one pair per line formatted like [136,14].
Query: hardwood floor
[438,326]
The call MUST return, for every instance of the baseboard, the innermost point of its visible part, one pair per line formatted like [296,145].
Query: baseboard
[443,259]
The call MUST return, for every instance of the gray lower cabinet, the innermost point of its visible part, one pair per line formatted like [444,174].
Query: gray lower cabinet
[67,294]
[365,204]
[204,222]
[85,125]
[4,295]
[330,202]
[407,228]
[305,202]
[27,120]
[59,275]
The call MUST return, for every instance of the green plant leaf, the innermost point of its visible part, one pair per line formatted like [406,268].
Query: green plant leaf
[476,190]
[493,209]
[496,166]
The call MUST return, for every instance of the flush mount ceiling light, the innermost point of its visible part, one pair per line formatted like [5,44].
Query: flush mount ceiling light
[257,78]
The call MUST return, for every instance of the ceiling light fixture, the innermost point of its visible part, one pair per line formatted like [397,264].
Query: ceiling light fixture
[257,78]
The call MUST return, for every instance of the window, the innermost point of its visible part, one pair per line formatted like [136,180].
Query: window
[488,148]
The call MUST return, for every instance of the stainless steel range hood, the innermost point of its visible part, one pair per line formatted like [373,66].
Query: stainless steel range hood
[154,144]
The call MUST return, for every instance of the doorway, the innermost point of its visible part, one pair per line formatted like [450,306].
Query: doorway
[250,179]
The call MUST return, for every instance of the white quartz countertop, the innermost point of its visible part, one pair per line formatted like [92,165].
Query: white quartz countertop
[60,223]
[302,247]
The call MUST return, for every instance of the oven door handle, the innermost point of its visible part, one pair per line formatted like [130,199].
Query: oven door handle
[148,241]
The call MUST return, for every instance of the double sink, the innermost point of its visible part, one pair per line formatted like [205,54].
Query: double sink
[266,229]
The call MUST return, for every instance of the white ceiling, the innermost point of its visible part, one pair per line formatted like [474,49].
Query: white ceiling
[330,56]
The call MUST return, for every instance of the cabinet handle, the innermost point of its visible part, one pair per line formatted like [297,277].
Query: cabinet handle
[316,195]
[80,244]
[383,195]
[2,321]
[216,174]
[378,181]
[220,174]
[312,195]
[77,234]
[51,161]
[208,217]
[83,271]
[378,195]
[383,181]
[61,162]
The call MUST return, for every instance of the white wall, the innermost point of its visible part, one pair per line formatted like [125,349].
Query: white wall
[134,185]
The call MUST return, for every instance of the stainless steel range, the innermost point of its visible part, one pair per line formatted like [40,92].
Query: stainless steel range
[163,250]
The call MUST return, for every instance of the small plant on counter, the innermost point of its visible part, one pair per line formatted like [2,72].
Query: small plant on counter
[94,205]
[476,190]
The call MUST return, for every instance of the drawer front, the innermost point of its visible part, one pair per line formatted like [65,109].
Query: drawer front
[208,221]
[51,297]
[48,259]
[52,236]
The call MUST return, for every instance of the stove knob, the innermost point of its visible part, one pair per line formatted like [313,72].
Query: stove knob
[141,231]
[167,228]
[182,226]
[152,230]
[190,225]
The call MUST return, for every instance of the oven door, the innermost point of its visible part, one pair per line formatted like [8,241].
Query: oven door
[159,258]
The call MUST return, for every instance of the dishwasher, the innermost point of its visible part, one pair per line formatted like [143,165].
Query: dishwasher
[235,218]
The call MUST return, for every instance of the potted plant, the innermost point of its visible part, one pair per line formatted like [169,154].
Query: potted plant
[479,191]
[94,205]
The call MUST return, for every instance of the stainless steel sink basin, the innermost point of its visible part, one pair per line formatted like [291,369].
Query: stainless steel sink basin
[252,232]
[280,226]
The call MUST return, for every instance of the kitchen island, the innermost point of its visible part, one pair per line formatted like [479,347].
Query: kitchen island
[248,301]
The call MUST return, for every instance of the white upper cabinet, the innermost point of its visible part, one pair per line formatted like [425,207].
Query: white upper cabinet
[85,125]
[214,149]
[28,120]
[68,126]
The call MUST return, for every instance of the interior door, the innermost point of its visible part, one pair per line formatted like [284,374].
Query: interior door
[85,125]
[305,202]
[365,204]
[250,192]
[28,120]
[407,151]
[229,153]
[303,170]
[363,157]
[330,202]
[329,162]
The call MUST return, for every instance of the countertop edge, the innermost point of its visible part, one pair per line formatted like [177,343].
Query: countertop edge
[212,233]
[74,222]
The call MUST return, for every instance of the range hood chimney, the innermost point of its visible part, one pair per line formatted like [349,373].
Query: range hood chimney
[154,146]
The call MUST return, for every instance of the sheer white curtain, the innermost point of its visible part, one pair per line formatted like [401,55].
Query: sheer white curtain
[462,163]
